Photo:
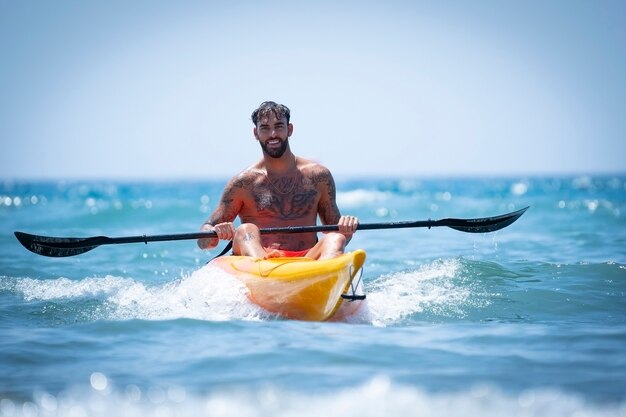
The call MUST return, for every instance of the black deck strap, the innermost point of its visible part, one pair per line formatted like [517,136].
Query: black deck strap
[224,251]
[354,296]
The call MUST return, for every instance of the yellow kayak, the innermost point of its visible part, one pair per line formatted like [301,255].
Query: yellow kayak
[298,288]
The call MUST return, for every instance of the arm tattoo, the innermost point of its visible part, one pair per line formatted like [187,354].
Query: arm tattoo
[228,207]
[327,209]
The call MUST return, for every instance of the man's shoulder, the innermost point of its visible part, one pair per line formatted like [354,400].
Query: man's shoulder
[245,178]
[316,174]
[312,167]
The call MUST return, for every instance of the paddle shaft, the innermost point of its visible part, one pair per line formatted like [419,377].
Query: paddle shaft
[265,231]
[272,230]
[286,229]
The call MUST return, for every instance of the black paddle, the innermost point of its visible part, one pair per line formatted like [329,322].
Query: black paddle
[70,246]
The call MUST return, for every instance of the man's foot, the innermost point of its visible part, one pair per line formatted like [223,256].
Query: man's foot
[274,253]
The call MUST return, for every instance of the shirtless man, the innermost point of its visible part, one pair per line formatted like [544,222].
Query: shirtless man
[279,190]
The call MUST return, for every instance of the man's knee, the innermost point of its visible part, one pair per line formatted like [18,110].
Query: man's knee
[245,230]
[336,239]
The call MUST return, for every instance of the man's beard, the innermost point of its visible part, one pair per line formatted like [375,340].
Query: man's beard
[275,152]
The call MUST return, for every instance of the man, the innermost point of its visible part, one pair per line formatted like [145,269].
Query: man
[279,190]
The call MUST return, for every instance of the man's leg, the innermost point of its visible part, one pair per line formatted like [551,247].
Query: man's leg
[247,241]
[331,245]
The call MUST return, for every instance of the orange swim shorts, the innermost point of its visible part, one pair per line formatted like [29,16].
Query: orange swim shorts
[289,253]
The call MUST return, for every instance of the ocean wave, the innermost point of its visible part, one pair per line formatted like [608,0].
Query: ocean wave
[444,290]
[377,397]
[358,197]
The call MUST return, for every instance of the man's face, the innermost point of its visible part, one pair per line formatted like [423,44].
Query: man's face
[273,134]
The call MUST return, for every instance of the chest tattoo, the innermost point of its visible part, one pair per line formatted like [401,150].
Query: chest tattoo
[295,205]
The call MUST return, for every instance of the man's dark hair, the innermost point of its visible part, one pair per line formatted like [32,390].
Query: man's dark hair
[267,107]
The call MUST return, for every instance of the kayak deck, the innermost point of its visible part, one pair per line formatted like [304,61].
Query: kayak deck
[296,288]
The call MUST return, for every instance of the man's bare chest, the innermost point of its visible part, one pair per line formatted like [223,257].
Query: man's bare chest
[298,204]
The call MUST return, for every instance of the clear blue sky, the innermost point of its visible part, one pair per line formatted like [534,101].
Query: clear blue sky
[164,89]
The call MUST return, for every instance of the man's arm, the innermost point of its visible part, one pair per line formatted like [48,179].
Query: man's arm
[327,208]
[328,211]
[224,214]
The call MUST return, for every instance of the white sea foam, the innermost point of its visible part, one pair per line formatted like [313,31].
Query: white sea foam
[206,294]
[432,287]
[377,397]
[64,288]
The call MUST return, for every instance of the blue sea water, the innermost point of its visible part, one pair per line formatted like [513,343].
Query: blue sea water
[527,321]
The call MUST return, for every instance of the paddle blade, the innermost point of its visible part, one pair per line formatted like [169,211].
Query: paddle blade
[485,224]
[57,247]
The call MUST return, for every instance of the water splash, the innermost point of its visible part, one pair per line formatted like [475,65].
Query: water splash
[206,294]
[436,288]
